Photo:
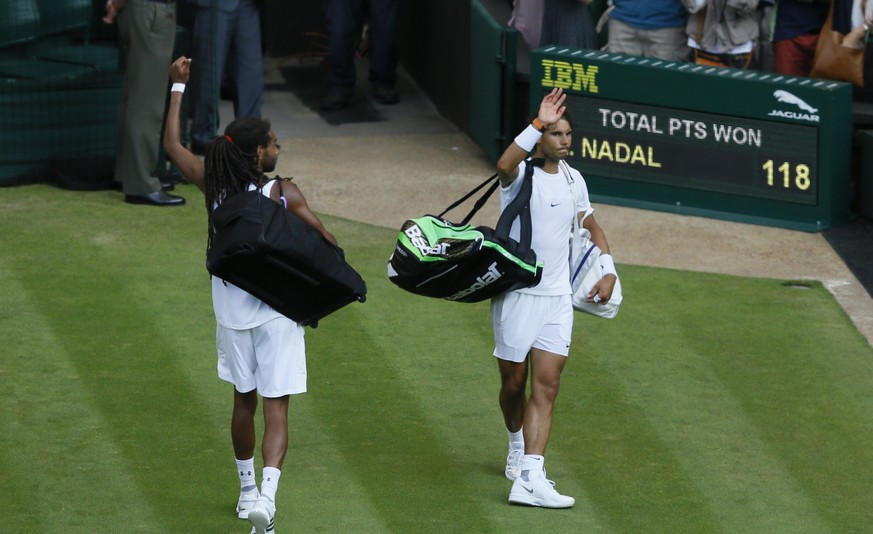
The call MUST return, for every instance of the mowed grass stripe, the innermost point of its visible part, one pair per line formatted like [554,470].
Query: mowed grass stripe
[319,491]
[715,450]
[130,372]
[718,382]
[60,464]
[809,390]
[804,389]
[398,455]
[608,445]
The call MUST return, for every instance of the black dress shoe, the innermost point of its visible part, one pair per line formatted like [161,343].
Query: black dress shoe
[158,198]
[385,94]
[334,101]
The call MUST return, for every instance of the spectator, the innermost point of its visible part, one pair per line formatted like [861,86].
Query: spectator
[649,28]
[795,34]
[568,23]
[345,19]
[764,49]
[556,22]
[723,33]
[227,46]
[147,29]
[527,18]
[853,18]
[857,38]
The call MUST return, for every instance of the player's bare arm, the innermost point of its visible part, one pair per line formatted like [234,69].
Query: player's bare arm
[189,165]
[604,287]
[296,204]
[598,236]
[550,112]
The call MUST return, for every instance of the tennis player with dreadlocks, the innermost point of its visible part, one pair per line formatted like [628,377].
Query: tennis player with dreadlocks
[259,350]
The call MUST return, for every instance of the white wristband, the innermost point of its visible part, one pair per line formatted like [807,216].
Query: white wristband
[529,138]
[607,266]
[178,88]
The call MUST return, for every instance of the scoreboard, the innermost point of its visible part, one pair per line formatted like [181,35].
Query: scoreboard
[726,143]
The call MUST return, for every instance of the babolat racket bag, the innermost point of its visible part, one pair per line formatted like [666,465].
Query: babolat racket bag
[436,258]
[262,248]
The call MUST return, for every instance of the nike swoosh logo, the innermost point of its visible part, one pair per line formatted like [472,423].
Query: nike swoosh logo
[555,204]
[527,489]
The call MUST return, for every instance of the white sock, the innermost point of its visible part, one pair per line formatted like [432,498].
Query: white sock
[246,471]
[516,440]
[531,462]
[270,482]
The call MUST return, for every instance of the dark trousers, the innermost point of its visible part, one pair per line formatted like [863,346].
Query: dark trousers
[225,42]
[147,31]
[345,20]
[794,56]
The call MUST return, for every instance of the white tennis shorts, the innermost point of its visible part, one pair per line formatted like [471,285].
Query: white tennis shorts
[270,358]
[522,321]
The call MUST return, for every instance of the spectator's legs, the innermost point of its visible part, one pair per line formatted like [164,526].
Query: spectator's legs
[794,56]
[344,25]
[209,53]
[147,31]
[382,22]
[670,44]
[247,65]
[624,39]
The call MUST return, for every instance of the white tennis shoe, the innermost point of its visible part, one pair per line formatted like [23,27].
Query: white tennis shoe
[538,491]
[245,503]
[262,515]
[513,463]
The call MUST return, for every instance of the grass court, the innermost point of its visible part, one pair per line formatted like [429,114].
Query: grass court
[711,403]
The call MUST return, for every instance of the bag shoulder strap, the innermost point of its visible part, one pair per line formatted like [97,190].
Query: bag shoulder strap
[479,203]
[576,237]
[520,207]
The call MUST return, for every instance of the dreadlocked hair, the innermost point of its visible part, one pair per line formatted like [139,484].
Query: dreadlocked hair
[231,162]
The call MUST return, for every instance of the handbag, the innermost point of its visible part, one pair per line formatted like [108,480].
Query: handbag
[832,60]
[585,271]
[272,254]
[434,257]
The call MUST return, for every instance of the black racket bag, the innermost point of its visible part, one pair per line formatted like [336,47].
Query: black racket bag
[437,258]
[262,248]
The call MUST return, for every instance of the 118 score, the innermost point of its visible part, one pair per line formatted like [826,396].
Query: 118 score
[782,175]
